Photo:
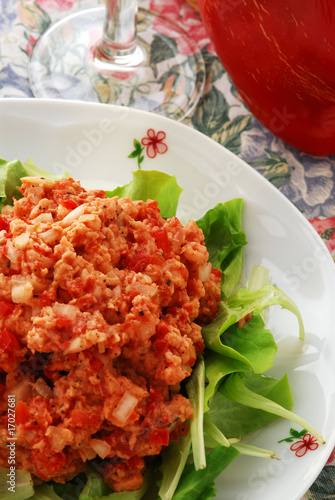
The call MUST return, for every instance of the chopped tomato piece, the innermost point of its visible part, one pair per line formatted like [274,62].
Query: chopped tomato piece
[8,339]
[4,224]
[162,329]
[84,418]
[96,364]
[199,347]
[70,204]
[243,321]
[22,414]
[6,308]
[152,222]
[79,328]
[160,346]
[62,321]
[181,430]
[140,260]
[155,395]
[161,238]
[47,298]
[159,436]
[216,272]
[48,465]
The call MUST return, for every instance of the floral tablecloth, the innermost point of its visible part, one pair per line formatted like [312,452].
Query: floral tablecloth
[309,182]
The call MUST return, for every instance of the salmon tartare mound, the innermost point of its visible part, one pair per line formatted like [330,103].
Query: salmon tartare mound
[101,307]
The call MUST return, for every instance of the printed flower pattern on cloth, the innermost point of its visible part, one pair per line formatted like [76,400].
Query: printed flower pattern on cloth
[56,4]
[301,446]
[31,41]
[325,227]
[152,143]
[179,9]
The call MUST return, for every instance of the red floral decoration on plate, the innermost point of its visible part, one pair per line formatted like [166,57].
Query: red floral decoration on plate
[308,442]
[154,143]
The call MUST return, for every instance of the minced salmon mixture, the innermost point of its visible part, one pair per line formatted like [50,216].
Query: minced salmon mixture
[101,307]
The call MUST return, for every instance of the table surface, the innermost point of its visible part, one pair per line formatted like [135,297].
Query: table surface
[307,181]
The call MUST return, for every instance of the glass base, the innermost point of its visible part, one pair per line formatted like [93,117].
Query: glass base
[167,79]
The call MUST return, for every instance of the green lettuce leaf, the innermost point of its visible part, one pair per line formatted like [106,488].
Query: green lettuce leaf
[216,368]
[22,488]
[33,171]
[94,488]
[11,173]
[45,492]
[195,388]
[212,434]
[174,458]
[224,240]
[239,305]
[236,388]
[153,185]
[236,419]
[198,484]
[254,342]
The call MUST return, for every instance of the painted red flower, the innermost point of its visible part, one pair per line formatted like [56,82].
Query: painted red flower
[308,442]
[154,143]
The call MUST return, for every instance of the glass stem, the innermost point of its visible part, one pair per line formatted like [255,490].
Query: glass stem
[119,42]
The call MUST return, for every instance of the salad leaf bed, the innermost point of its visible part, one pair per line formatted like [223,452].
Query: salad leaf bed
[229,391]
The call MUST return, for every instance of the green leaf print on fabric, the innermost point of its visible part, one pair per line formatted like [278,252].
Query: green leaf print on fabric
[161,49]
[274,168]
[230,135]
[211,112]
[214,68]
[212,118]
[323,487]
[33,17]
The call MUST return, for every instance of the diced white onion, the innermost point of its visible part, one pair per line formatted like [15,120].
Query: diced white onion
[205,271]
[21,291]
[125,408]
[65,310]
[59,437]
[97,292]
[113,278]
[86,454]
[49,236]
[45,218]
[76,345]
[22,390]
[91,337]
[21,241]
[42,388]
[117,291]
[35,310]
[41,181]
[11,252]
[102,347]
[87,218]
[73,215]
[84,273]
[101,447]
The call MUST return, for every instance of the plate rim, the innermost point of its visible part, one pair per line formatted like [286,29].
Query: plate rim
[191,132]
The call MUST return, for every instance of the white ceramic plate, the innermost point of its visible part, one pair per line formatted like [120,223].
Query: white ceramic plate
[93,141]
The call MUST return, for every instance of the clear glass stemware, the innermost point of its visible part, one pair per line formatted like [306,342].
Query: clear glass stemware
[120,54]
